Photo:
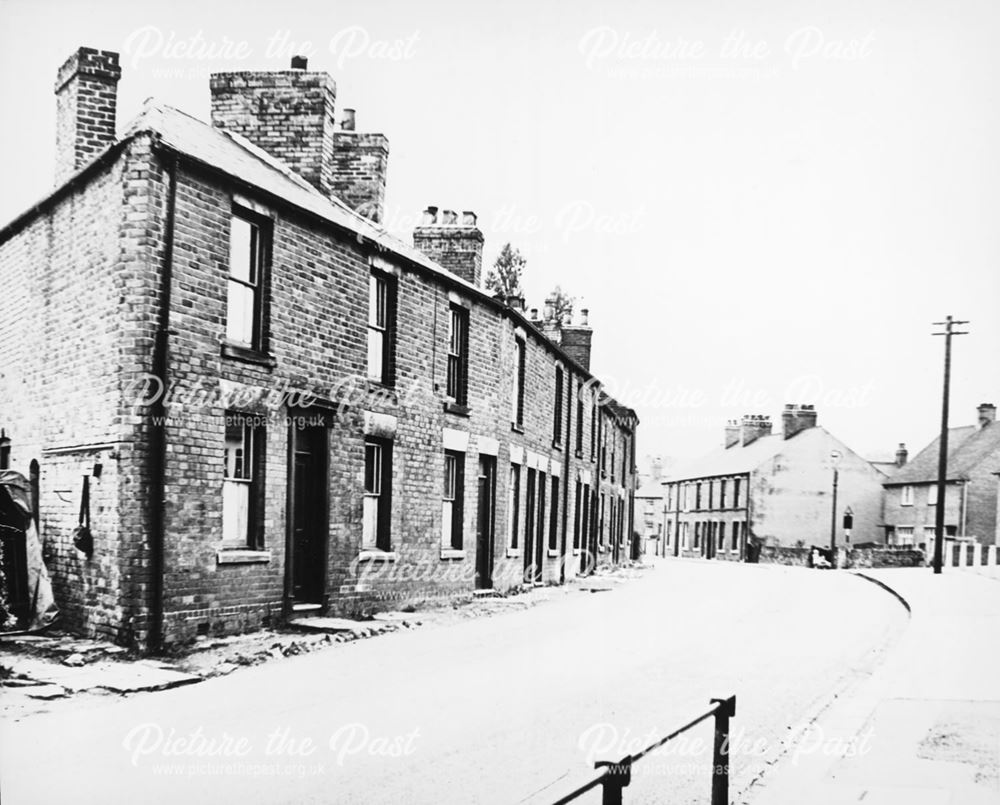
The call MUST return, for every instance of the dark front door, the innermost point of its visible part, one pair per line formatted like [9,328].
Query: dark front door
[529,528]
[540,531]
[308,516]
[484,523]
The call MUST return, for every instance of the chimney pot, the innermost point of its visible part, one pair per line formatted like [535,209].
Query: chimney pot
[449,218]
[469,218]
[430,216]
[585,317]
[987,414]
[534,314]
[300,63]
[347,123]
[901,454]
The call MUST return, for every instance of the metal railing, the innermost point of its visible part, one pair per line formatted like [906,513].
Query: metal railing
[613,776]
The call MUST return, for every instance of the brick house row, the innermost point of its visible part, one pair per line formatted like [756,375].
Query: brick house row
[279,407]
[760,488]
[804,487]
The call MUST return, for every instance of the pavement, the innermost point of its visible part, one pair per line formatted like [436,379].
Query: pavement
[924,727]
[44,672]
[486,709]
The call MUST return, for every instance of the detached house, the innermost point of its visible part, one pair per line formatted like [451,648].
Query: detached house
[277,407]
[772,489]
[970,502]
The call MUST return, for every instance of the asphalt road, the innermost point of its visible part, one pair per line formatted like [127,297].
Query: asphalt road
[485,710]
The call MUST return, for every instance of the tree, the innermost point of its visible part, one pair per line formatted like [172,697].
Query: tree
[505,276]
[562,308]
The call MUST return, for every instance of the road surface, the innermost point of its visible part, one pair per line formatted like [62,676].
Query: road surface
[488,710]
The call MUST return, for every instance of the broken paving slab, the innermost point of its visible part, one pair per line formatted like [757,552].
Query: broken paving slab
[339,625]
[115,676]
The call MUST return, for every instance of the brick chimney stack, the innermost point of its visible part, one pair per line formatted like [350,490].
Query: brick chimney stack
[551,328]
[455,245]
[733,433]
[86,108]
[577,339]
[797,418]
[360,162]
[902,454]
[288,113]
[753,426]
[987,414]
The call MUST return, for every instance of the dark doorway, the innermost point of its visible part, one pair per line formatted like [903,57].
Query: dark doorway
[529,528]
[540,531]
[613,528]
[14,523]
[595,526]
[485,522]
[308,512]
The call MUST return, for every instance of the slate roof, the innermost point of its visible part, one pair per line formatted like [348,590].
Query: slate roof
[734,460]
[968,448]
[236,156]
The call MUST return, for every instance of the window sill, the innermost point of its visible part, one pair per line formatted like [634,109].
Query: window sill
[557,446]
[452,553]
[578,454]
[375,555]
[456,409]
[576,552]
[516,428]
[513,553]
[553,552]
[242,557]
[241,352]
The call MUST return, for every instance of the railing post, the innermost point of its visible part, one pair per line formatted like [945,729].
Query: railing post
[619,775]
[720,754]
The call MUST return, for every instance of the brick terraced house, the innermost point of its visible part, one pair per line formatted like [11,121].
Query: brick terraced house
[770,489]
[278,406]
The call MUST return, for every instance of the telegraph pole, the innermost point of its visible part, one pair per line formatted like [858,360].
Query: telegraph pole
[942,479]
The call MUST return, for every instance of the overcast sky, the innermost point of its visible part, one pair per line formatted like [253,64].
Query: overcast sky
[759,205]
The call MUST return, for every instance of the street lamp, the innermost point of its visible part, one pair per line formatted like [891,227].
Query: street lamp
[835,461]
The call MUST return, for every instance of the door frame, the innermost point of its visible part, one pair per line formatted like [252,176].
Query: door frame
[293,435]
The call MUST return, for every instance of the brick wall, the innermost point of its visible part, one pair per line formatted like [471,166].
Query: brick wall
[885,556]
[86,284]
[76,314]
